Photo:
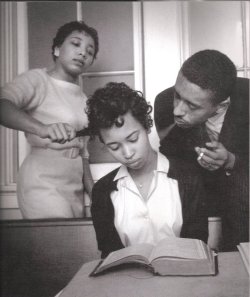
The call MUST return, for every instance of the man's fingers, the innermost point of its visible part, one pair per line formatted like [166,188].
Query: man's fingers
[208,164]
[207,160]
[213,144]
[208,153]
[200,156]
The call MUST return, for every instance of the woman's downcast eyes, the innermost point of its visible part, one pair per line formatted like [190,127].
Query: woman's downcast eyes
[115,147]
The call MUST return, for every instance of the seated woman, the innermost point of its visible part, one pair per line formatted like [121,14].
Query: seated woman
[149,197]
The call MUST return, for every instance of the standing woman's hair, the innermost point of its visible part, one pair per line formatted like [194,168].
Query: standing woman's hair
[64,31]
[107,104]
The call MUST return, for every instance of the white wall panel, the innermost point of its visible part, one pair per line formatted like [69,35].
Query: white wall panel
[217,25]
[161,50]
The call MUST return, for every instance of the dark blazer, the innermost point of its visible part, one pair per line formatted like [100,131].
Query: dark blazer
[234,134]
[195,221]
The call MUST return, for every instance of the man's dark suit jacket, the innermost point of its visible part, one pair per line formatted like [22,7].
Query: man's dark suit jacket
[228,194]
[195,219]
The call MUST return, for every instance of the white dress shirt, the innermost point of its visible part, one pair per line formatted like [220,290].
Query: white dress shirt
[159,216]
[214,124]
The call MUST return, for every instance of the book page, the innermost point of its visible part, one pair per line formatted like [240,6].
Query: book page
[179,248]
[140,253]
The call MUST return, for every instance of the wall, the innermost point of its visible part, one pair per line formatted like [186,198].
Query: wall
[221,25]
[44,18]
[13,21]
[162,57]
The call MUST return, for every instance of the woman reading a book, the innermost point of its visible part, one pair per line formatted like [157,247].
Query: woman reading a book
[148,197]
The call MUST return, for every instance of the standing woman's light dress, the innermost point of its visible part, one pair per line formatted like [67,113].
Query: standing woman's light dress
[50,179]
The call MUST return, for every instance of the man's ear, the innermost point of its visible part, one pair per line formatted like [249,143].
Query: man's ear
[56,51]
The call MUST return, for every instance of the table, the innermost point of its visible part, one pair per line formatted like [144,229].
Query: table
[231,281]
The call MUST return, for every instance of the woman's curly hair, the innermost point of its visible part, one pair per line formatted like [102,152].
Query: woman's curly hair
[107,104]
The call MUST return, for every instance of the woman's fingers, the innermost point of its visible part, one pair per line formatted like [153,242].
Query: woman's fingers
[60,132]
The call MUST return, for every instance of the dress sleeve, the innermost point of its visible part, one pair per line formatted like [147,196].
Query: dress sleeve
[27,90]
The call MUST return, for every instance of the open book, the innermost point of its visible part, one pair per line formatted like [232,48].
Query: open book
[244,249]
[171,256]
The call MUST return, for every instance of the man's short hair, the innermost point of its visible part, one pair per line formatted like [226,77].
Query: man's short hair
[211,70]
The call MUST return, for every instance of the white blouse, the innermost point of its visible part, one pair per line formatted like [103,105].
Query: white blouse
[140,221]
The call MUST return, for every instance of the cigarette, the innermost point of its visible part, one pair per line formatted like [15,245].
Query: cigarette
[200,156]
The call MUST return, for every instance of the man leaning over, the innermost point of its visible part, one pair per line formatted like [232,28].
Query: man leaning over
[204,119]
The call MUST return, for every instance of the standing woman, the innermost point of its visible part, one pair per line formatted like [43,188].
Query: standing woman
[49,106]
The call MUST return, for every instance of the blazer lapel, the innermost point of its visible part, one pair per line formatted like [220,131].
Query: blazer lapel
[227,130]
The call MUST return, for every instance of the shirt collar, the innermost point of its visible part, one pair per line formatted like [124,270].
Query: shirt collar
[121,173]
[215,122]
[162,163]
[162,166]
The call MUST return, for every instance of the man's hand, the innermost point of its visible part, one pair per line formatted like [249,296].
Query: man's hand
[58,132]
[215,156]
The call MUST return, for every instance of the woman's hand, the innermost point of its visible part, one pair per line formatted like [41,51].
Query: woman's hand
[84,150]
[13,117]
[58,132]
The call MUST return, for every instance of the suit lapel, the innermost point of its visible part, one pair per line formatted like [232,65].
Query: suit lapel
[228,128]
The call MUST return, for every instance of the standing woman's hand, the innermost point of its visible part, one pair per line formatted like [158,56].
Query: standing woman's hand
[58,132]
[14,118]
[84,150]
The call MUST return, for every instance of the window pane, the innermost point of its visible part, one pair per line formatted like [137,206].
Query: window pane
[217,25]
[90,84]
[241,73]
[44,19]
[114,23]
